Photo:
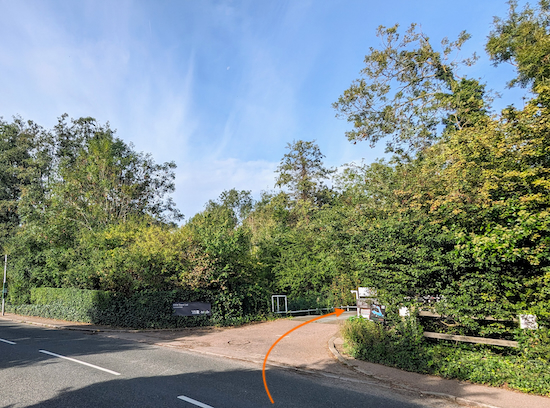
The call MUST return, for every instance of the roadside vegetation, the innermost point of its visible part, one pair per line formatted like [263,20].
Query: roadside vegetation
[460,211]
[401,344]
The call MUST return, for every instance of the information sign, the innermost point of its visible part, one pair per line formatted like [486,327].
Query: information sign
[192,309]
[528,322]
[378,313]
[367,292]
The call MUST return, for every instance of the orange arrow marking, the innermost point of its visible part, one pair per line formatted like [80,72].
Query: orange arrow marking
[337,312]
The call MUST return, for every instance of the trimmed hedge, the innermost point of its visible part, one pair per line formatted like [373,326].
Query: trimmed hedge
[140,310]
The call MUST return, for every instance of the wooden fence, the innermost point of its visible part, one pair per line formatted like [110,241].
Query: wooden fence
[470,339]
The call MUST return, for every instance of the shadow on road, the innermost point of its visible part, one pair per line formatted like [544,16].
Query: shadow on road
[30,338]
[235,388]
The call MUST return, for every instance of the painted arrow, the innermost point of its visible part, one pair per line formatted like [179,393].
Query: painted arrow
[336,312]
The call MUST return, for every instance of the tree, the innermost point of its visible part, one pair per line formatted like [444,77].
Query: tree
[407,89]
[468,210]
[24,167]
[302,170]
[239,202]
[70,186]
[523,41]
[104,181]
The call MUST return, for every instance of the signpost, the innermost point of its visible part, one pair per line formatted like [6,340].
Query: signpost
[4,283]
[192,309]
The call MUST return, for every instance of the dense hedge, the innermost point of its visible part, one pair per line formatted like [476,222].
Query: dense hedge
[64,304]
[139,310]
[401,344]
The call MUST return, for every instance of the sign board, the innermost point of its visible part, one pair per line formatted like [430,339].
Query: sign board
[363,303]
[377,313]
[528,322]
[192,309]
[368,309]
[367,292]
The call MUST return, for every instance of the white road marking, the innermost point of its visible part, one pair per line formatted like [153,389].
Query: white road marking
[194,402]
[7,341]
[79,362]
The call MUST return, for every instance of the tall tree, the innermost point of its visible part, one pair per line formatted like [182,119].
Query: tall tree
[302,170]
[101,180]
[23,168]
[522,40]
[82,182]
[240,203]
[407,89]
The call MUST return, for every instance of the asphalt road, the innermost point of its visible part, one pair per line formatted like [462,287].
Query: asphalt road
[42,367]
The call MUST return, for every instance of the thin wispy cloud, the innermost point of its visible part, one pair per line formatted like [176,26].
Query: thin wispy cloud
[220,87]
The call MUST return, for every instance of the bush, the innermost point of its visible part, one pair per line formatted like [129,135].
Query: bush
[534,344]
[399,346]
[402,345]
[362,333]
[309,301]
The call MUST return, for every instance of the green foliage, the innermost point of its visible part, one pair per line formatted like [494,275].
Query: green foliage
[302,171]
[240,203]
[481,365]
[402,345]
[103,181]
[407,89]
[522,39]
[534,344]
[22,166]
[141,310]
[64,304]
[464,213]
[399,346]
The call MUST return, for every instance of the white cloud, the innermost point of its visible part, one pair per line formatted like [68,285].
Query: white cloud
[198,182]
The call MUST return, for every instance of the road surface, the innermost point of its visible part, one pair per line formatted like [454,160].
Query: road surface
[41,367]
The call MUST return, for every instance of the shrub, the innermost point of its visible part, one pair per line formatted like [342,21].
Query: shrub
[402,345]
[399,346]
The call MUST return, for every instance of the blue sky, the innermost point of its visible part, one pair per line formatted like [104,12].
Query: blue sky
[220,87]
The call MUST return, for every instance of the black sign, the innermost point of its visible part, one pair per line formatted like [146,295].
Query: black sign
[192,309]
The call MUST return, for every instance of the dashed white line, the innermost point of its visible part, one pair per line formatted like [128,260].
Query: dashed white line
[194,402]
[79,362]
[7,341]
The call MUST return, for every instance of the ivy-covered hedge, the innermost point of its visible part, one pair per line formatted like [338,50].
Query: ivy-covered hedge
[65,304]
[139,310]
[401,344]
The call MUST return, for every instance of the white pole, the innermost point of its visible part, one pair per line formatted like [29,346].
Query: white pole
[4,284]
